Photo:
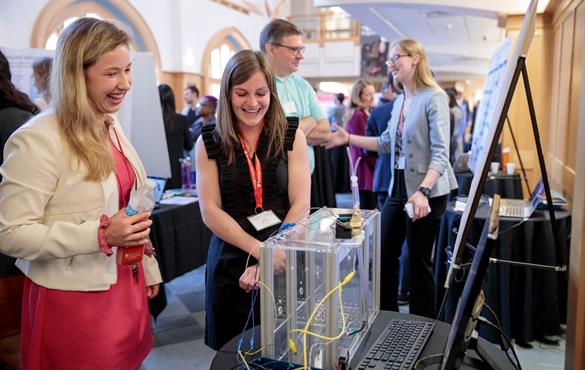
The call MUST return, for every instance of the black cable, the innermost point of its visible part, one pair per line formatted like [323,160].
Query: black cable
[493,314]
[506,339]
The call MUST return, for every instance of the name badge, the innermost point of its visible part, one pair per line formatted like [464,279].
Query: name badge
[264,220]
[401,163]
[289,107]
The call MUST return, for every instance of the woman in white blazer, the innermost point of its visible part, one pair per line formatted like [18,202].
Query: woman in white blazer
[67,178]
[417,139]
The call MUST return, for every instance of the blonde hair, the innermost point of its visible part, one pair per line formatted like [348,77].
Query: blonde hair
[355,99]
[422,73]
[78,48]
[238,70]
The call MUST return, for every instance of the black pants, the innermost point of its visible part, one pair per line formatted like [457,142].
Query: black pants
[420,237]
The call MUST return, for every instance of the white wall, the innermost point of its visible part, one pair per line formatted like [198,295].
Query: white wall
[182,28]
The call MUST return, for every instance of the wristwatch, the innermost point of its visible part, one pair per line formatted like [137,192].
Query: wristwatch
[425,191]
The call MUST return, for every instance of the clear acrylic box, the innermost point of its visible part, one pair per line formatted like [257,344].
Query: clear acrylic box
[316,263]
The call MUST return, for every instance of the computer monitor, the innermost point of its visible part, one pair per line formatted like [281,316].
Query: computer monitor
[472,298]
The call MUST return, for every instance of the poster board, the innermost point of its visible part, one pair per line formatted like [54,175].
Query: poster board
[489,101]
[482,166]
[21,61]
[141,117]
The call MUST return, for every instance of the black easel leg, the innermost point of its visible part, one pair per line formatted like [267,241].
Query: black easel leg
[551,212]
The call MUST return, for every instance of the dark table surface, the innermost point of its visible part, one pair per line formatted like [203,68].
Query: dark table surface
[530,303]
[508,186]
[226,358]
[180,239]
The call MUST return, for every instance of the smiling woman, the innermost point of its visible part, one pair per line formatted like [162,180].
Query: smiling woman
[67,180]
[252,141]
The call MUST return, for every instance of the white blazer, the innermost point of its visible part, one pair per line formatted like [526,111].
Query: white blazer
[49,215]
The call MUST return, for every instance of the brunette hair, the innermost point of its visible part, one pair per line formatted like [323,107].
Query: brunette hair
[238,70]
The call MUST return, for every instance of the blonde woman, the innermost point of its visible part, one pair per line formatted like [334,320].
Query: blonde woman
[417,138]
[67,178]
[251,162]
[362,101]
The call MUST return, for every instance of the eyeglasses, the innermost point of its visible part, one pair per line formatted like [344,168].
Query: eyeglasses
[395,58]
[294,50]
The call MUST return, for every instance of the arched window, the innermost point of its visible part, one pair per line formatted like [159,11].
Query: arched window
[57,15]
[222,46]
[51,43]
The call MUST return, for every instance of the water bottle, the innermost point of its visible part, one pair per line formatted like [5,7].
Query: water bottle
[185,173]
[141,200]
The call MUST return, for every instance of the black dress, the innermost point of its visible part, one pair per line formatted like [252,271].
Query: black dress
[226,304]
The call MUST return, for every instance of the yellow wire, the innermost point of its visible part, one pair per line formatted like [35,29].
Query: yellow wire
[306,332]
[243,359]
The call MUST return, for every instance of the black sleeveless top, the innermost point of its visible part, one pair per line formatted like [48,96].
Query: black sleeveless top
[237,194]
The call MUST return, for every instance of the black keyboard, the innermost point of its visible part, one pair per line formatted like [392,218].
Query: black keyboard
[399,346]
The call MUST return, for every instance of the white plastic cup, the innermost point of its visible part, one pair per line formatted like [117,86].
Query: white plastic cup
[494,167]
[510,168]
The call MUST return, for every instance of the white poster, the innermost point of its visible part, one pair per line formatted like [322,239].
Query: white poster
[487,106]
[21,61]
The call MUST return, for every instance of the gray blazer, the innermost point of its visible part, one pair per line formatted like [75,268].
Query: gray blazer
[425,141]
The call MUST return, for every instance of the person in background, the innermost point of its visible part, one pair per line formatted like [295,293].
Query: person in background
[42,73]
[338,159]
[67,179]
[337,112]
[388,93]
[282,42]
[177,133]
[206,108]
[191,97]
[15,109]
[377,123]
[252,159]
[362,100]
[417,138]
[456,117]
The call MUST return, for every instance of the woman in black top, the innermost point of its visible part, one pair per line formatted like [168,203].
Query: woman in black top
[177,133]
[252,143]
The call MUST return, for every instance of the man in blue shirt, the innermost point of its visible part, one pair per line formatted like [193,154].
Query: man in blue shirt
[282,42]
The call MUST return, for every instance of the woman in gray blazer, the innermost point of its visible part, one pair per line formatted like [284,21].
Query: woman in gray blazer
[417,138]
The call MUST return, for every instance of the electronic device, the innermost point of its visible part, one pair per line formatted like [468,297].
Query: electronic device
[399,345]
[158,188]
[518,208]
[472,298]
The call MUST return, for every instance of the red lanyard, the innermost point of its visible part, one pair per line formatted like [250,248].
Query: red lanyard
[255,173]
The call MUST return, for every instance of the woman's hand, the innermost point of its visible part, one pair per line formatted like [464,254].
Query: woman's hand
[152,291]
[337,138]
[249,279]
[420,205]
[126,231]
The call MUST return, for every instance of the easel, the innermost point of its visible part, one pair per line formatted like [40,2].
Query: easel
[560,265]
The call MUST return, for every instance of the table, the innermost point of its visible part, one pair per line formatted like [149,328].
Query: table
[530,303]
[226,357]
[180,239]
[508,186]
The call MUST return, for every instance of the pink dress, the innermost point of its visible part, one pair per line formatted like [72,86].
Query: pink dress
[64,330]
[357,125]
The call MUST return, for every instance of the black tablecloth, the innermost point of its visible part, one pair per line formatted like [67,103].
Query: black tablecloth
[508,186]
[180,239]
[530,303]
[227,357]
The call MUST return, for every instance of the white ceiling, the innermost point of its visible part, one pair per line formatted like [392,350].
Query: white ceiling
[459,35]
